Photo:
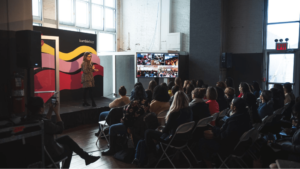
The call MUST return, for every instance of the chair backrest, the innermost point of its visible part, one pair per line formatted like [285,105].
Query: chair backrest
[215,116]
[185,128]
[162,114]
[246,141]
[224,112]
[204,122]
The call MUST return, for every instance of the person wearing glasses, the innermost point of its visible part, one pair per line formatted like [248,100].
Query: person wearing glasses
[87,78]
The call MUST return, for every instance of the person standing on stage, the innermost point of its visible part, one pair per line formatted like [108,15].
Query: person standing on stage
[87,78]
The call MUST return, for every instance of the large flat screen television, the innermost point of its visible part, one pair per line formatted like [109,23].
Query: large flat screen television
[157,65]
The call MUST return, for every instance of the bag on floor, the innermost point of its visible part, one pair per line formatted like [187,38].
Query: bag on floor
[140,153]
[126,155]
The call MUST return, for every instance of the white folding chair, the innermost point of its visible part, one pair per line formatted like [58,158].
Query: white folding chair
[201,123]
[182,129]
[56,164]
[103,126]
[161,117]
[215,116]
[251,136]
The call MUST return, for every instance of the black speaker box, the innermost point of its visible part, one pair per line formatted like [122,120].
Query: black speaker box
[28,49]
[226,60]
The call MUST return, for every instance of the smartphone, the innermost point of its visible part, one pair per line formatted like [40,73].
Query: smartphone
[53,101]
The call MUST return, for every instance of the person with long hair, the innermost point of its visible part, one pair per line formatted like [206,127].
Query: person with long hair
[256,89]
[212,95]
[152,85]
[63,146]
[160,100]
[170,86]
[186,83]
[87,78]
[179,113]
[188,91]
[252,107]
[288,92]
[134,96]
[223,104]
[266,108]
[174,90]
[199,83]
[229,94]
[243,88]
[178,82]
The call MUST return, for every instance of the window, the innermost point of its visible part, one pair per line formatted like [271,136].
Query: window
[82,13]
[106,42]
[68,28]
[283,11]
[109,18]
[37,9]
[66,12]
[281,68]
[97,17]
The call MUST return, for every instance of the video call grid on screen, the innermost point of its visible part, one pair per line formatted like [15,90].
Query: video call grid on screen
[161,65]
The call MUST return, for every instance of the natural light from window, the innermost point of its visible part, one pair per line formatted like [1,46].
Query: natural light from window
[283,10]
[281,68]
[106,42]
[66,11]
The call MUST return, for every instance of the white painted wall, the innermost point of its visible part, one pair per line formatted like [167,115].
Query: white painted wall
[139,24]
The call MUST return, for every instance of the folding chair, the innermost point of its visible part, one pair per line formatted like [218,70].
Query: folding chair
[215,116]
[184,129]
[103,126]
[161,117]
[201,123]
[224,113]
[56,164]
[241,149]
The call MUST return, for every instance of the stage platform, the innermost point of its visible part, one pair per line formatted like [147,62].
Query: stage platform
[74,114]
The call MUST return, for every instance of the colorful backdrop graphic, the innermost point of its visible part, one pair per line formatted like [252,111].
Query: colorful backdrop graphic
[70,60]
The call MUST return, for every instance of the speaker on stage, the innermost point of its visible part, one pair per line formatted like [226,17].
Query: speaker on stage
[226,60]
[28,49]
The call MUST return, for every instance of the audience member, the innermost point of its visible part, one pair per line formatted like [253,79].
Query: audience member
[224,139]
[212,95]
[188,91]
[136,107]
[149,95]
[199,107]
[288,92]
[164,84]
[199,83]
[229,82]
[119,102]
[170,86]
[229,94]
[193,82]
[174,90]
[160,100]
[178,82]
[256,89]
[205,86]
[279,87]
[223,104]
[63,146]
[266,108]
[221,85]
[243,89]
[186,82]
[252,108]
[152,85]
[179,113]
[277,99]
[133,95]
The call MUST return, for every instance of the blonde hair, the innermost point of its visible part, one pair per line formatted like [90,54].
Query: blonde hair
[180,101]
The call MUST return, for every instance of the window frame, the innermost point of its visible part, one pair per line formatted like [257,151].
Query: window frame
[40,11]
[267,52]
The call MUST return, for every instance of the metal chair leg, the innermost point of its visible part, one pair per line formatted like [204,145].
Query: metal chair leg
[186,159]
[193,154]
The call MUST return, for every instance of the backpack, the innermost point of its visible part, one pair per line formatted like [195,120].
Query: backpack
[125,155]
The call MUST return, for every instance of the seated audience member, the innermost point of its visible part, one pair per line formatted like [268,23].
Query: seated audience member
[255,89]
[199,107]
[164,84]
[178,82]
[119,102]
[186,82]
[152,85]
[229,82]
[212,95]
[134,96]
[199,83]
[160,100]
[252,108]
[266,108]
[288,92]
[179,113]
[291,151]
[243,88]
[205,86]
[134,109]
[63,146]
[223,104]
[224,139]
[170,85]
[221,85]
[188,91]
[277,99]
[149,95]
[193,82]
[229,94]
[174,90]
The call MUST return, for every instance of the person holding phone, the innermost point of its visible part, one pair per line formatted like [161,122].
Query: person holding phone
[63,146]
[87,78]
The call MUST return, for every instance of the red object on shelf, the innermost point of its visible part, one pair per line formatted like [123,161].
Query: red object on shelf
[18,129]
[281,46]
